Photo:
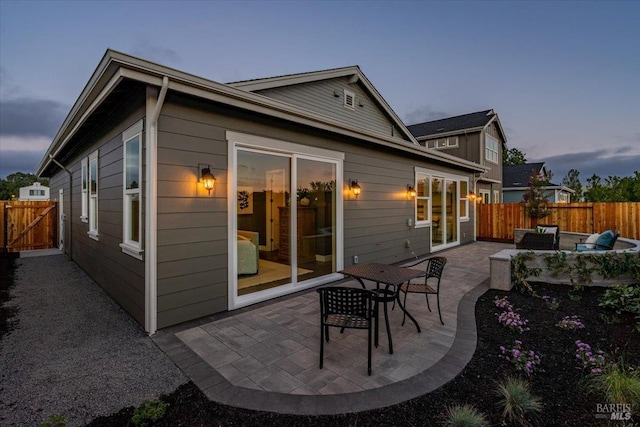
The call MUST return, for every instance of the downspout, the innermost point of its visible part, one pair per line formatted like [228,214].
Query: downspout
[70,221]
[151,206]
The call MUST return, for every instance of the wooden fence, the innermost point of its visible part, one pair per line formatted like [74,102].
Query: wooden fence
[496,222]
[28,225]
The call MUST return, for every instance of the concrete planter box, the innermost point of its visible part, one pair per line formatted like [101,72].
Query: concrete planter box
[501,262]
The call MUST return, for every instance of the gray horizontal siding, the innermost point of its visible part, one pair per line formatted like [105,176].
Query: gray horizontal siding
[319,97]
[120,275]
[192,227]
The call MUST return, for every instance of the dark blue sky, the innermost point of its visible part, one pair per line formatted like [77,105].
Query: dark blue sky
[564,77]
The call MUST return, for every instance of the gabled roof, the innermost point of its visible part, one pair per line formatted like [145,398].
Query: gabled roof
[116,71]
[518,175]
[353,72]
[457,124]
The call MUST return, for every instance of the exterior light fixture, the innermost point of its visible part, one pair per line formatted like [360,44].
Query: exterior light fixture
[474,197]
[355,188]
[411,192]
[206,178]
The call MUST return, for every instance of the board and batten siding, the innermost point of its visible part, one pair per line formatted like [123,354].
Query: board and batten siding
[192,226]
[320,97]
[120,275]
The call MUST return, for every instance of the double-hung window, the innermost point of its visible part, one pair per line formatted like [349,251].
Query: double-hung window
[93,195]
[423,198]
[131,191]
[491,149]
[463,198]
[85,188]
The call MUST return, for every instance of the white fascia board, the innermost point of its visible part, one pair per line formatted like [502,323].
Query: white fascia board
[294,79]
[57,145]
[450,133]
[264,105]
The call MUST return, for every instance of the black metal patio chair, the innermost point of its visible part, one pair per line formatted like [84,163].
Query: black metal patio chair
[345,308]
[434,269]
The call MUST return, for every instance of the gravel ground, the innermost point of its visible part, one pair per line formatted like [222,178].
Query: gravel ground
[73,351]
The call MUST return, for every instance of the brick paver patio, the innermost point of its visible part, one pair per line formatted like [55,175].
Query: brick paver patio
[266,356]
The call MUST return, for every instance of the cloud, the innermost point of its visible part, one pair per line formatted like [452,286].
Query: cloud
[424,114]
[31,117]
[19,161]
[620,161]
[153,52]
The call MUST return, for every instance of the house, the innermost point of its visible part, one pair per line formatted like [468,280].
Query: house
[35,191]
[516,179]
[186,197]
[477,137]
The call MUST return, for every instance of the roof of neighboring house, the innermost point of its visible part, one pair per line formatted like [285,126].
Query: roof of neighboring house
[465,122]
[119,73]
[517,176]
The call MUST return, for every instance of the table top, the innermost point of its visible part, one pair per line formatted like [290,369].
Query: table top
[382,273]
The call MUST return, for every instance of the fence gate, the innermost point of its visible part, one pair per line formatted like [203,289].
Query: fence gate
[28,225]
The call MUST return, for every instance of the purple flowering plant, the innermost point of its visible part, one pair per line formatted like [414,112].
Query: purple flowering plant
[509,317]
[527,361]
[589,359]
[552,302]
[570,323]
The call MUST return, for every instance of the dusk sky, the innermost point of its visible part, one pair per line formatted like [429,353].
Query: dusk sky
[564,77]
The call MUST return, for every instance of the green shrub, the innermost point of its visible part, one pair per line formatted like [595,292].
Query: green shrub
[55,421]
[464,416]
[517,403]
[149,412]
[622,298]
[619,384]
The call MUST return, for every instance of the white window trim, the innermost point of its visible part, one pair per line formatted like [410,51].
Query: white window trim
[427,222]
[349,94]
[451,144]
[238,140]
[463,198]
[485,196]
[130,247]
[496,196]
[488,150]
[84,188]
[93,210]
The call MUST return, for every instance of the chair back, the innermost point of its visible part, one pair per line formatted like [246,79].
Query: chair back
[435,266]
[344,300]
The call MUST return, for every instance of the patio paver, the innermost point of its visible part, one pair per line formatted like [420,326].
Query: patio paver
[265,357]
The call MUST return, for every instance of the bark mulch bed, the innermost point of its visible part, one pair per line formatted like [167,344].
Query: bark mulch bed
[561,383]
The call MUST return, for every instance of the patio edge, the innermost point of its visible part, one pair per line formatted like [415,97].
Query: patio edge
[219,389]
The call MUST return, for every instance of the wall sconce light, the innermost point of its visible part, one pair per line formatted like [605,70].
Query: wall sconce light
[411,192]
[474,197]
[355,188]
[206,177]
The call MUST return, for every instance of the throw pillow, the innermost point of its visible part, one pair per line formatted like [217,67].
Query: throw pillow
[605,239]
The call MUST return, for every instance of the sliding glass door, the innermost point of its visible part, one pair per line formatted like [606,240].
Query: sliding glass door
[444,211]
[286,220]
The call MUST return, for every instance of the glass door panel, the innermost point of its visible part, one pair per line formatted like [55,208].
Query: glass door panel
[451,211]
[263,221]
[437,212]
[315,218]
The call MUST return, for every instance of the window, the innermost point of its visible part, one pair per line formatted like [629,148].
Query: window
[423,197]
[450,142]
[85,187]
[464,202]
[349,99]
[496,196]
[432,143]
[485,196]
[491,151]
[131,191]
[36,192]
[93,195]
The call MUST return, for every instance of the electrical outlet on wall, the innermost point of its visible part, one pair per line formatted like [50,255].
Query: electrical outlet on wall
[355,259]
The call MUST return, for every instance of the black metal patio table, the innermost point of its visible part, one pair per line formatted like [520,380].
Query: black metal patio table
[392,277]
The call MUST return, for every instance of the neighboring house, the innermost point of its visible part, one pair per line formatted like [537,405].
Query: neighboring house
[33,192]
[516,181]
[477,137]
[187,197]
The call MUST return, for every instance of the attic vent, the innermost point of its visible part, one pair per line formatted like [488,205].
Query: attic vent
[349,99]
